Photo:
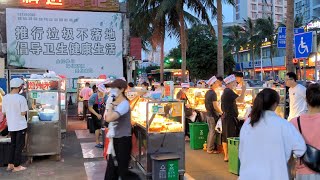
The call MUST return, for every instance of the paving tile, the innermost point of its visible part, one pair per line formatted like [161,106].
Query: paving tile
[89,151]
[84,134]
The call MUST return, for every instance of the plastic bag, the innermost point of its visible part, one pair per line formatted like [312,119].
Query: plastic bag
[218,127]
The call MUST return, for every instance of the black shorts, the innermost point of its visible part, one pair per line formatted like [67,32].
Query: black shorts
[96,122]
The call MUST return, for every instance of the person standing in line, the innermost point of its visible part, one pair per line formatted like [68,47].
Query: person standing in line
[230,122]
[267,141]
[213,113]
[96,107]
[118,116]
[85,93]
[15,108]
[309,124]
[297,96]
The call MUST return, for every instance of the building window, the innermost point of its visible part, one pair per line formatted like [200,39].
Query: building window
[254,7]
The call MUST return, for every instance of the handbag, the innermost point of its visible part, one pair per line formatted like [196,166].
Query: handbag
[312,156]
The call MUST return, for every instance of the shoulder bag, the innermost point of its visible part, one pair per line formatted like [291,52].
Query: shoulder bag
[312,156]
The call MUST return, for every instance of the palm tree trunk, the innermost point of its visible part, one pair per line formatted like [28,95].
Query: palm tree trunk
[183,46]
[240,62]
[289,36]
[162,60]
[252,60]
[271,60]
[220,40]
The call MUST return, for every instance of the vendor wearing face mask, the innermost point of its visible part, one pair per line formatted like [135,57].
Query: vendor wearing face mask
[120,143]
[96,107]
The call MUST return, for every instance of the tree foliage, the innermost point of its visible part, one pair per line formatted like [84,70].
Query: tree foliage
[201,55]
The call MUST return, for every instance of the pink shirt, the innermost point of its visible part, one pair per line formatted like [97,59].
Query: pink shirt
[86,92]
[310,124]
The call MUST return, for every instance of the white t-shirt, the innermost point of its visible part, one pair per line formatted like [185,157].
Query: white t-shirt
[13,105]
[298,103]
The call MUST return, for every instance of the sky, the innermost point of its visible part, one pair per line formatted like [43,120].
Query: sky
[227,11]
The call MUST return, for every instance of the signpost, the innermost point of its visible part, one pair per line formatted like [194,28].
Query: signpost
[303,46]
[282,36]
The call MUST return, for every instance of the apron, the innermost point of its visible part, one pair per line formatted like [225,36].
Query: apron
[99,107]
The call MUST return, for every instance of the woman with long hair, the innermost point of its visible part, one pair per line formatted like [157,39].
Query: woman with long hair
[267,141]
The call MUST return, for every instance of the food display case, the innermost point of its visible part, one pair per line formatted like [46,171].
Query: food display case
[196,98]
[44,123]
[80,85]
[159,129]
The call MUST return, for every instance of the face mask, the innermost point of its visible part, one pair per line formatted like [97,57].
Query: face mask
[114,92]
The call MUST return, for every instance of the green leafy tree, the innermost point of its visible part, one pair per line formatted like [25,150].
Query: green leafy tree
[202,54]
[265,28]
[235,40]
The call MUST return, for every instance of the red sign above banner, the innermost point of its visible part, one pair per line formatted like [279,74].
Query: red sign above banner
[84,5]
[135,48]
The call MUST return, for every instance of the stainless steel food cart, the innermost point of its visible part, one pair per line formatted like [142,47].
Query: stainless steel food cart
[44,123]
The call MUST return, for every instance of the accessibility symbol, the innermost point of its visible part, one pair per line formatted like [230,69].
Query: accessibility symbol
[303,44]
[303,47]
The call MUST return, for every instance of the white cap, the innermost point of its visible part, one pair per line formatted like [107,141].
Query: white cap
[101,87]
[229,79]
[185,85]
[212,80]
[16,82]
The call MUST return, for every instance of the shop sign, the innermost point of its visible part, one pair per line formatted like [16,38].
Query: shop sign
[277,61]
[72,43]
[42,85]
[81,5]
[313,25]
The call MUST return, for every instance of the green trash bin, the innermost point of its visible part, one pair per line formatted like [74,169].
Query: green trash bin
[198,134]
[165,166]
[233,152]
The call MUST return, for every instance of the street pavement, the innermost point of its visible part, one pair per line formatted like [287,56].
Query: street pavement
[73,165]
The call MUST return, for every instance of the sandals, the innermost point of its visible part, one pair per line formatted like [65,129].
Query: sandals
[20,168]
[99,146]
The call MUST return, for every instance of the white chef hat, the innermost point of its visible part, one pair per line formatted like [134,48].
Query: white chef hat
[212,80]
[185,85]
[229,79]
[101,87]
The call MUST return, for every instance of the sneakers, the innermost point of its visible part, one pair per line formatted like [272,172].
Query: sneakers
[99,146]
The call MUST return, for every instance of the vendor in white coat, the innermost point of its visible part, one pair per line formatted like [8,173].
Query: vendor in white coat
[267,141]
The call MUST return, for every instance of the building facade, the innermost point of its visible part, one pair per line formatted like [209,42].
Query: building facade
[255,9]
[308,9]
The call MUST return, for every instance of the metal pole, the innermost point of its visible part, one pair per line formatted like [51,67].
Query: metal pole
[261,73]
[315,49]
[304,71]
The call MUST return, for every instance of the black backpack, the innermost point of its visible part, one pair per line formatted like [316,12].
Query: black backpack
[312,156]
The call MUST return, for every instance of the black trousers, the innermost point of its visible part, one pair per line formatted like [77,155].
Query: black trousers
[187,127]
[85,109]
[122,147]
[17,145]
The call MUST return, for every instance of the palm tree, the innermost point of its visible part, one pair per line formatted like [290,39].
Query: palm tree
[265,28]
[176,17]
[251,37]
[220,35]
[289,36]
[235,40]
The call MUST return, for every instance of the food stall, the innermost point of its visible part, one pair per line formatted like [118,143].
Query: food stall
[80,85]
[196,97]
[44,123]
[159,129]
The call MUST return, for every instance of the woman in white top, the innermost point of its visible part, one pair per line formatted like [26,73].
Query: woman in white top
[267,141]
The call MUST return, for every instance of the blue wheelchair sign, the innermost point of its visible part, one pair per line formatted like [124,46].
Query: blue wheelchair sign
[303,44]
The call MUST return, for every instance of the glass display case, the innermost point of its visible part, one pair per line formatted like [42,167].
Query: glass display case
[196,98]
[44,126]
[158,128]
